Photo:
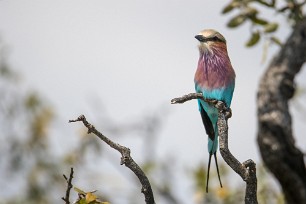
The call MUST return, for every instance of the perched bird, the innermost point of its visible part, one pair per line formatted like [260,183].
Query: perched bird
[215,79]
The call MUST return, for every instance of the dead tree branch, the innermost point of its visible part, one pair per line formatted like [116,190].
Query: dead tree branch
[246,170]
[126,159]
[69,186]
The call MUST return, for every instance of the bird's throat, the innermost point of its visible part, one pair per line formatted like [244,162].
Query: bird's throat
[214,67]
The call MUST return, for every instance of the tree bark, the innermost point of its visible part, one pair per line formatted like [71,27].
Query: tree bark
[275,137]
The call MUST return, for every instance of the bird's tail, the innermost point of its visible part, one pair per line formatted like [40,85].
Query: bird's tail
[212,145]
[207,177]
[215,155]
[208,169]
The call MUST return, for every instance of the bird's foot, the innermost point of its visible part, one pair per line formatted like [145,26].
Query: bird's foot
[220,105]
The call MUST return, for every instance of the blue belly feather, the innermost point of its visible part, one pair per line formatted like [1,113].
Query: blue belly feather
[221,94]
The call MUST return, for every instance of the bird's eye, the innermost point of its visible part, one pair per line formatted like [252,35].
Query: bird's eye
[215,38]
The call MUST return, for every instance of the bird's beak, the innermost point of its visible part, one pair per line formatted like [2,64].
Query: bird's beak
[200,38]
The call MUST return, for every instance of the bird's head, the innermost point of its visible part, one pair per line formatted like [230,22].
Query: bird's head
[209,38]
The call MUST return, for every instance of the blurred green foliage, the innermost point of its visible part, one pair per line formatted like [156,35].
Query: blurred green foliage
[249,11]
[233,194]
[30,166]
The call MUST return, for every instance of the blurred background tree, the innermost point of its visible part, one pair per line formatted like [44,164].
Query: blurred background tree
[276,88]
[30,162]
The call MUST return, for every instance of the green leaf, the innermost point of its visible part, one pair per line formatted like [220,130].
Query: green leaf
[271,4]
[259,21]
[276,41]
[253,40]
[82,201]
[236,21]
[229,7]
[250,12]
[271,27]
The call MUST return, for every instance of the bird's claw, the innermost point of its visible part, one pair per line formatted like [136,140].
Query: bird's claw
[220,105]
[228,113]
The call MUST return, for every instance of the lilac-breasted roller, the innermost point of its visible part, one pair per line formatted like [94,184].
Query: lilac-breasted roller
[215,79]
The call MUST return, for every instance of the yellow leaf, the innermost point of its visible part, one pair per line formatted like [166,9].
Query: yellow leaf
[90,197]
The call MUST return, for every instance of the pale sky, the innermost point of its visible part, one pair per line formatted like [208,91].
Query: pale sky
[134,57]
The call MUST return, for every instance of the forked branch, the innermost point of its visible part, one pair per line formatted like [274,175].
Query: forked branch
[126,159]
[69,186]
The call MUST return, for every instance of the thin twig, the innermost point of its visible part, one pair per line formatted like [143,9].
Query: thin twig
[69,186]
[191,96]
[247,170]
[126,159]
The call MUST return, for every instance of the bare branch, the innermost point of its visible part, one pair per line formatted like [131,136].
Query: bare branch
[191,96]
[69,186]
[219,104]
[126,159]
[187,97]
[246,170]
